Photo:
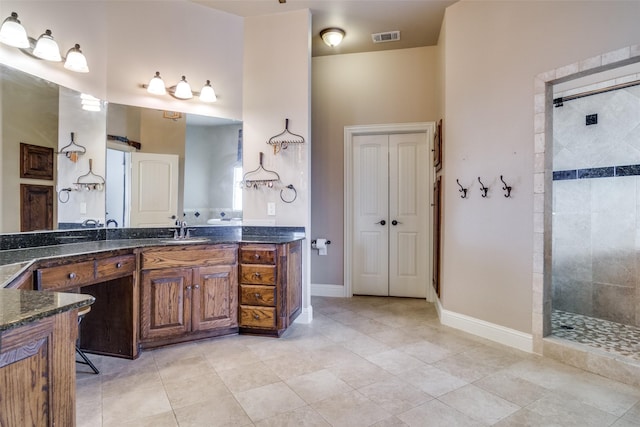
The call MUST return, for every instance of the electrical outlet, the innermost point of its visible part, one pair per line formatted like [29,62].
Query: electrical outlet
[83,207]
[271,208]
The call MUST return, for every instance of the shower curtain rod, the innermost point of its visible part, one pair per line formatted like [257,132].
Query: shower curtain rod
[557,102]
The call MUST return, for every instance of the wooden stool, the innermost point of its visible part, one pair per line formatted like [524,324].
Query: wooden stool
[85,360]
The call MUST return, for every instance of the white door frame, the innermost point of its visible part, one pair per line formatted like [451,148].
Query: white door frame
[349,133]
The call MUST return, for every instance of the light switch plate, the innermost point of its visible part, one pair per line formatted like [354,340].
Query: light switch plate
[271,208]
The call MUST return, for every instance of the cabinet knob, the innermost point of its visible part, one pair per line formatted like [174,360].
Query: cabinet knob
[257,274]
[257,296]
[189,287]
[257,256]
[255,316]
[72,275]
[197,286]
[118,265]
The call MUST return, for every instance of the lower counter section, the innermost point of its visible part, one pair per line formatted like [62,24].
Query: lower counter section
[37,358]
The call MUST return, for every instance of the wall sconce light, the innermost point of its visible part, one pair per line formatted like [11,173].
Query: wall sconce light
[332,36]
[182,90]
[12,33]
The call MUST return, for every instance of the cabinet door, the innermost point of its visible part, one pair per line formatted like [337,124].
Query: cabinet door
[215,297]
[165,303]
[294,281]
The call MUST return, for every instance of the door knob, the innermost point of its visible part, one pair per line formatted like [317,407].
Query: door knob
[394,222]
[381,222]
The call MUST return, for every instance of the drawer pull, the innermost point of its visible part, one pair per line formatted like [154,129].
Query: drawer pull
[197,286]
[257,256]
[189,287]
[255,316]
[119,265]
[257,296]
[72,275]
[257,275]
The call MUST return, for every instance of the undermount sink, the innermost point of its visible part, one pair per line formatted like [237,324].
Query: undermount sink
[186,240]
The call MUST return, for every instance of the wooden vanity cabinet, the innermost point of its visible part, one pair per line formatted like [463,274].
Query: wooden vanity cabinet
[270,287]
[111,327]
[188,293]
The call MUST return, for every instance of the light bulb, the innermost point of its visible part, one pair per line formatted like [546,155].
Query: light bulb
[207,94]
[183,90]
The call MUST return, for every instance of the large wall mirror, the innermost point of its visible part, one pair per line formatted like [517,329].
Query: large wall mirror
[42,117]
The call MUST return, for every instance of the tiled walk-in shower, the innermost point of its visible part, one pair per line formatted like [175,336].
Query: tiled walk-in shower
[614,338]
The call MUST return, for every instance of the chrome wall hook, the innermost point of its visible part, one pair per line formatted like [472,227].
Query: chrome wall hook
[462,190]
[483,189]
[506,188]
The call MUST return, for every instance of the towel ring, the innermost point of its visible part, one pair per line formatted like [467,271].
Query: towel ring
[295,194]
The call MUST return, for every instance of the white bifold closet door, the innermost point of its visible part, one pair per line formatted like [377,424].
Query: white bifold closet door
[391,191]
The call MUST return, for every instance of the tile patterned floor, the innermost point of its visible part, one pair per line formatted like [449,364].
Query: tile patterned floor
[616,338]
[362,362]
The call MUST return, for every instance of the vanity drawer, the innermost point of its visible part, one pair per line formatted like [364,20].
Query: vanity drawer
[258,274]
[258,295]
[263,254]
[188,257]
[257,317]
[111,268]
[65,276]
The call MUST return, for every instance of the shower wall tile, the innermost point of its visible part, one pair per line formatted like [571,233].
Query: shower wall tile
[572,196]
[615,303]
[572,263]
[616,267]
[573,296]
[571,230]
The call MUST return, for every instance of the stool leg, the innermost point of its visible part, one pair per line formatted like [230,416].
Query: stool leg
[86,360]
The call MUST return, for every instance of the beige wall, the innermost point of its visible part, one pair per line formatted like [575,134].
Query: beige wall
[493,51]
[397,86]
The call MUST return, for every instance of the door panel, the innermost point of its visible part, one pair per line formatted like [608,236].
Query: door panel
[390,183]
[165,303]
[371,245]
[154,189]
[215,297]
[408,206]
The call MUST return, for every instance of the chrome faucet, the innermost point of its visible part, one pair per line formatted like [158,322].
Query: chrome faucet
[182,232]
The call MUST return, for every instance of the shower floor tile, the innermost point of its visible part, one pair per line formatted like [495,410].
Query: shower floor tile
[610,336]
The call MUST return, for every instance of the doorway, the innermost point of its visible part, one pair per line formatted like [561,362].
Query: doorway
[388,181]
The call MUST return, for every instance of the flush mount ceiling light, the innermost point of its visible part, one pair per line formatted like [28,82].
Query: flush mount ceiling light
[332,36]
[180,91]
[76,60]
[46,48]
[12,33]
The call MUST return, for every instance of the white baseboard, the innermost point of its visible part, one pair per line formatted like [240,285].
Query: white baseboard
[490,331]
[336,291]
[305,316]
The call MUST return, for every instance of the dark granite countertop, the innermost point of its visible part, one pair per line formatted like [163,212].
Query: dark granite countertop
[14,261]
[18,308]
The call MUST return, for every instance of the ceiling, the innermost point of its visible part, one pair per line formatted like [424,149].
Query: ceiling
[418,21]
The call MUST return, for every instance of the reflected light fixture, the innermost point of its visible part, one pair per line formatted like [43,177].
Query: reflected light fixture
[89,102]
[76,61]
[332,36]
[46,48]
[207,94]
[156,85]
[12,32]
[183,89]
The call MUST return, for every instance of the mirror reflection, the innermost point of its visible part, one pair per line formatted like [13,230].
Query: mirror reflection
[196,179]
[167,166]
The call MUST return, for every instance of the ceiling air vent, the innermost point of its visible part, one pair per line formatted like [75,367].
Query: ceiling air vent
[389,36]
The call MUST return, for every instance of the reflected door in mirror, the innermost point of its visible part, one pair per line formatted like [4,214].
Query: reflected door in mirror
[36,207]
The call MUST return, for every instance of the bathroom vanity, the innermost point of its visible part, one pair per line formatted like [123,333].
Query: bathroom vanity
[151,292]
